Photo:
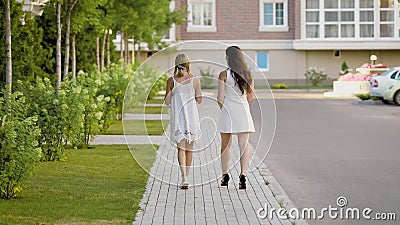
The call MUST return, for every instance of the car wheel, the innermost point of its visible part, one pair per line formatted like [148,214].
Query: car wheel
[386,102]
[396,98]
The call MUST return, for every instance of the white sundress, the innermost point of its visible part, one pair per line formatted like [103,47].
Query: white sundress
[184,116]
[235,115]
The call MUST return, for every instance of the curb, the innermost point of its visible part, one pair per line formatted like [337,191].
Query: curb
[278,192]
[368,102]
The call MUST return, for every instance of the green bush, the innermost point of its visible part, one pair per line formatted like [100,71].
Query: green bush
[51,112]
[366,97]
[207,78]
[363,96]
[315,75]
[19,151]
[344,68]
[145,84]
[280,86]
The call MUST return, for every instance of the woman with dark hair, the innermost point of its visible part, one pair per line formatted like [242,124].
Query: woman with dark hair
[235,93]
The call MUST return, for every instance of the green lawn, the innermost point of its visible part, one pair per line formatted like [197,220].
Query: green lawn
[155,101]
[137,127]
[100,185]
[147,110]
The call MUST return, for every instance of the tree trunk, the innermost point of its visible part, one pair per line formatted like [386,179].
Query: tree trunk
[126,49]
[73,56]
[121,47]
[8,48]
[108,51]
[58,57]
[67,33]
[103,49]
[138,51]
[98,53]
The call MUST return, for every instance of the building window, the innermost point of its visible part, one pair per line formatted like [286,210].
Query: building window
[273,15]
[351,19]
[201,16]
[262,60]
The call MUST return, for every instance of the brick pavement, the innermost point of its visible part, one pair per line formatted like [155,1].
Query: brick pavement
[205,202]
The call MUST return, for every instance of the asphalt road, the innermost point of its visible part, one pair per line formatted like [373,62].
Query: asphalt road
[327,148]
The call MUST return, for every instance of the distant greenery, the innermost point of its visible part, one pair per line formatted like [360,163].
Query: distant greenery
[147,110]
[366,97]
[155,101]
[138,127]
[99,185]
[280,86]
[344,68]
[207,78]
[315,75]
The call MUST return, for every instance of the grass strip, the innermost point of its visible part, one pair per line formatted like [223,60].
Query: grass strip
[138,127]
[99,185]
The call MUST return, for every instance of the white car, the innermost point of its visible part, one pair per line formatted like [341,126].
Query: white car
[380,83]
[392,93]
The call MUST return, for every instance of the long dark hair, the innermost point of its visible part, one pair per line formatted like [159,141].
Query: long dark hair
[237,64]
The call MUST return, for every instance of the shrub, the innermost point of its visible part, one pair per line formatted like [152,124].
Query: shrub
[315,76]
[145,84]
[207,78]
[19,151]
[51,112]
[366,97]
[344,68]
[280,86]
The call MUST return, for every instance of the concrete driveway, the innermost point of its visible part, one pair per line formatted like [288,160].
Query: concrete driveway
[326,148]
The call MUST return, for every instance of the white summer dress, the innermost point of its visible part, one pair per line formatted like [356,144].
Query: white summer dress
[184,116]
[235,115]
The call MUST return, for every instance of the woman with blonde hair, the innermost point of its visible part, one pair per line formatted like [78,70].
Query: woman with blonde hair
[183,91]
[235,93]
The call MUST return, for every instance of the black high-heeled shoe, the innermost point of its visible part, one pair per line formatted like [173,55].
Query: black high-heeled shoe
[242,182]
[224,180]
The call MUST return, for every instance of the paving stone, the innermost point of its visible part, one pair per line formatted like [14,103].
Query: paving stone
[205,202]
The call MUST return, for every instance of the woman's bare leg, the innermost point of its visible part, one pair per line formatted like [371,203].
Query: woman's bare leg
[225,151]
[243,139]
[188,152]
[182,157]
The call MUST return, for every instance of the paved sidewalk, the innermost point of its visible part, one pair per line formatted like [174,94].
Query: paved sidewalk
[127,139]
[205,202]
[132,116]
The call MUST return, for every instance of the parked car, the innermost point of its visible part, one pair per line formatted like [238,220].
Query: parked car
[380,83]
[392,93]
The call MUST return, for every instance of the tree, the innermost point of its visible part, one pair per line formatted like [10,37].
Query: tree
[58,47]
[28,56]
[148,20]
[8,47]
[70,4]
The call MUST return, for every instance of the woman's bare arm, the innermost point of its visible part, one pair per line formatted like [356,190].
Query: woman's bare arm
[250,96]
[170,85]
[197,89]
[221,88]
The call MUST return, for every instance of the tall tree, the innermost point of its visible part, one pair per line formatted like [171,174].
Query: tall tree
[148,20]
[70,4]
[8,47]
[58,47]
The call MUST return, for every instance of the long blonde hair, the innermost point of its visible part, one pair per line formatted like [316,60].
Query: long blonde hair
[241,74]
[181,64]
